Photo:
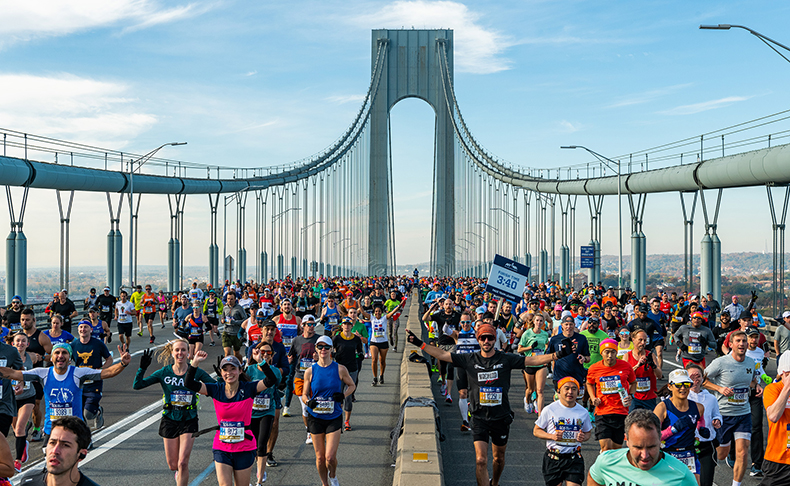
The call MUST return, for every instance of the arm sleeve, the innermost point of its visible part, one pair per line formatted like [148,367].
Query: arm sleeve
[36,374]
[190,381]
[140,382]
[81,375]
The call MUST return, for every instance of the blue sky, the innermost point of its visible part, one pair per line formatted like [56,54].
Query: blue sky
[252,84]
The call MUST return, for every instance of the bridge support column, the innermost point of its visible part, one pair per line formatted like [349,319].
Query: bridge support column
[114,255]
[241,236]
[710,251]
[778,226]
[595,203]
[688,239]
[16,250]
[565,252]
[64,239]
[638,245]
[176,204]
[213,248]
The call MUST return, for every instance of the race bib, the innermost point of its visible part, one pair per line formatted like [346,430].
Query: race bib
[287,340]
[378,331]
[610,384]
[59,410]
[483,377]
[490,396]
[180,398]
[739,397]
[25,386]
[261,403]
[686,457]
[231,432]
[537,352]
[3,362]
[642,384]
[305,363]
[324,406]
[105,308]
[695,348]
[301,308]
[569,433]
[194,331]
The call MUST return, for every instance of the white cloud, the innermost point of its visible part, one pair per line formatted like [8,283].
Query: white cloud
[704,106]
[647,96]
[71,107]
[28,20]
[477,49]
[568,127]
[343,99]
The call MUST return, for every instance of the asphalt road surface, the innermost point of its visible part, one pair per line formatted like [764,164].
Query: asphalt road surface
[129,451]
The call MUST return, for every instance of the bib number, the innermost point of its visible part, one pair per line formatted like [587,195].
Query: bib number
[231,432]
[324,406]
[695,348]
[194,331]
[490,396]
[643,384]
[610,384]
[180,399]
[304,364]
[59,410]
[688,458]
[105,308]
[739,397]
[261,404]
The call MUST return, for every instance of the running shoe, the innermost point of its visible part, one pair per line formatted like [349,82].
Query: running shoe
[443,389]
[140,333]
[17,466]
[434,369]
[375,381]
[348,426]
[286,412]
[729,462]
[333,481]
[395,349]
[526,405]
[272,462]
[308,440]
[98,422]
[550,376]
[263,480]
[24,453]
[439,380]
[381,380]
[38,435]
[465,426]
[755,473]
[152,340]
[448,398]
[163,325]
[212,343]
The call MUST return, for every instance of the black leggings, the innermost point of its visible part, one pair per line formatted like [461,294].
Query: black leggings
[262,429]
[446,368]
[707,463]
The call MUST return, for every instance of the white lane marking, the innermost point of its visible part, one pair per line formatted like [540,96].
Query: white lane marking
[121,438]
[202,476]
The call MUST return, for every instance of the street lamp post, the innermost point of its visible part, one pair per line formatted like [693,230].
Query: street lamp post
[132,216]
[767,40]
[607,161]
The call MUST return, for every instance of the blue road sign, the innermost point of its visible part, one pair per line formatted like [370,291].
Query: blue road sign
[587,256]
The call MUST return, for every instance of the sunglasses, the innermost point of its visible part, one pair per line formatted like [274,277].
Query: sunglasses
[466,322]
[682,385]
[486,337]
[266,352]
[321,347]
[16,302]
[309,323]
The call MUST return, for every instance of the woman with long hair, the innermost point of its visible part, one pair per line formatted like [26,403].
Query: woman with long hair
[180,414]
[56,333]
[533,343]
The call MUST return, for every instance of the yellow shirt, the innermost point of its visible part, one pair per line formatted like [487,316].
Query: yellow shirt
[137,299]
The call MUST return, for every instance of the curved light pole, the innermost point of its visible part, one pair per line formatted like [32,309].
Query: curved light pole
[132,216]
[607,161]
[767,40]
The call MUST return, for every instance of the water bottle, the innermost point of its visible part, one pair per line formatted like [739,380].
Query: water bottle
[623,395]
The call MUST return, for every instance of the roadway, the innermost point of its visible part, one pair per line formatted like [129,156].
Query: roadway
[128,450]
[525,452]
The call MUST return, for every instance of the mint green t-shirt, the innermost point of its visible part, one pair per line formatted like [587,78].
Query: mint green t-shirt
[612,468]
[538,342]
[593,340]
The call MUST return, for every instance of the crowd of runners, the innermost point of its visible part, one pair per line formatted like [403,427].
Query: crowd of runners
[603,354]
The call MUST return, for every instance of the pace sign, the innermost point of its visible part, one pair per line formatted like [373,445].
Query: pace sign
[507,278]
[587,257]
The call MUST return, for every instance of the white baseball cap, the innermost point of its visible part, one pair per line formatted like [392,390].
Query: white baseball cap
[679,376]
[324,340]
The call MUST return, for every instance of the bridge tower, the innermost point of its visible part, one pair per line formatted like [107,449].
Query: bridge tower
[411,69]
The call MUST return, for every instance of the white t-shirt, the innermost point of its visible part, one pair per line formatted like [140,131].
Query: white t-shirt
[379,330]
[556,416]
[124,311]
[711,405]
[757,354]
[501,339]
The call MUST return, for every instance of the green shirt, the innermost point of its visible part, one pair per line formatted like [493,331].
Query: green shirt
[538,342]
[359,327]
[612,468]
[180,403]
[391,305]
[593,340]
[264,402]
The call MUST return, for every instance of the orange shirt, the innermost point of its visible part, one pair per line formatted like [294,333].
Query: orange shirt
[605,379]
[611,299]
[149,303]
[778,448]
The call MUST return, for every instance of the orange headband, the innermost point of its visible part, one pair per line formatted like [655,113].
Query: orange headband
[567,379]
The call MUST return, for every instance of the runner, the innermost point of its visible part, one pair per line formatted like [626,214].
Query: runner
[706,450]
[137,299]
[65,307]
[90,352]
[124,312]
[195,293]
[488,373]
[534,343]
[573,363]
[330,316]
[55,333]
[233,316]
[66,447]
[290,326]
[179,413]
[624,343]
[564,425]
[642,462]
[347,349]
[610,385]
[693,340]
[301,357]
[731,377]
[646,370]
[63,396]
[279,360]
[99,329]
[326,385]
[757,448]
[161,302]
[680,419]
[212,308]
[180,316]
[193,327]
[40,348]
[253,328]
[378,344]
[25,395]
[234,397]
[106,304]
[148,306]
[263,407]
[391,304]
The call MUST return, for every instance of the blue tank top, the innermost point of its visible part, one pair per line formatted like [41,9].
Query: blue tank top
[62,398]
[683,439]
[324,383]
[97,330]
[332,317]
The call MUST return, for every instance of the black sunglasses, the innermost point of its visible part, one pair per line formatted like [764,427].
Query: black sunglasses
[323,346]
[486,337]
